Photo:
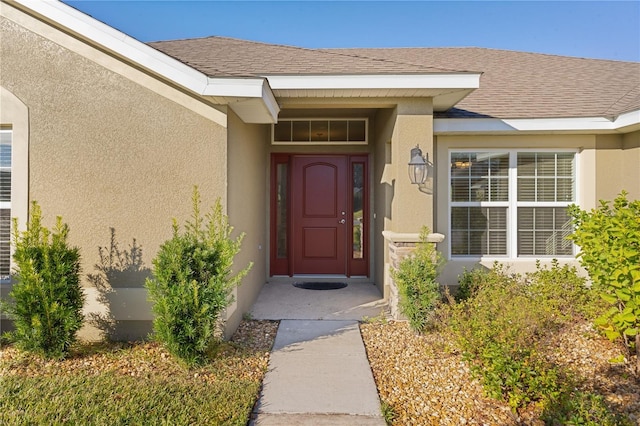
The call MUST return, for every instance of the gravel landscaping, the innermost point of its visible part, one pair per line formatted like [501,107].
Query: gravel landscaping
[422,379]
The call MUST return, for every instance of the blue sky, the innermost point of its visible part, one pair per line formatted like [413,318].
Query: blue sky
[592,29]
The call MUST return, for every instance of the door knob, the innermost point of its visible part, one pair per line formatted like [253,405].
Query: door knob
[342,221]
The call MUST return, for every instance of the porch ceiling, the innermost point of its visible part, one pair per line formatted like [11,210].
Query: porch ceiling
[443,99]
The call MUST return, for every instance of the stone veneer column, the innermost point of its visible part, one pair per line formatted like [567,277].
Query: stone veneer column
[400,245]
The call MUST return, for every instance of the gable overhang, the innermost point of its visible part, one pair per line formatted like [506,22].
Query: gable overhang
[446,89]
[253,99]
[250,98]
[624,123]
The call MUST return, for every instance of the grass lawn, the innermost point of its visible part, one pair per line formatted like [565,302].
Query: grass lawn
[136,383]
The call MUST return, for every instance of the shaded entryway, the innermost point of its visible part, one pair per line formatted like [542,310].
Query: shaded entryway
[282,300]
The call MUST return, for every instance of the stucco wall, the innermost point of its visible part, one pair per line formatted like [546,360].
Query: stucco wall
[631,162]
[106,151]
[383,193]
[410,208]
[586,188]
[618,165]
[247,203]
[401,206]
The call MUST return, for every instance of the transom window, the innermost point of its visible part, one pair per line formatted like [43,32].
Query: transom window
[321,131]
[511,203]
[5,204]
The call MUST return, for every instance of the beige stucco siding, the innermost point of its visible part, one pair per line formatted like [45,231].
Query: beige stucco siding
[618,165]
[631,162]
[383,193]
[248,199]
[107,152]
[411,209]
[400,206]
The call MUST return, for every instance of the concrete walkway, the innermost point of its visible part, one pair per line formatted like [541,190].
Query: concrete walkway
[318,370]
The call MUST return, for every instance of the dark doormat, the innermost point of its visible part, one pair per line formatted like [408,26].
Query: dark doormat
[320,285]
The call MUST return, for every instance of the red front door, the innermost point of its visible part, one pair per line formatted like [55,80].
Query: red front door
[319,219]
[319,214]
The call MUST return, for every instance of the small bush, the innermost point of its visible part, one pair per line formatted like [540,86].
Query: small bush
[192,283]
[469,283]
[579,408]
[561,291]
[48,297]
[609,240]
[416,280]
[518,376]
[500,325]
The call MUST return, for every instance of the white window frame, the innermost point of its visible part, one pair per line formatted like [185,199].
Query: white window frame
[14,116]
[6,205]
[512,204]
[310,142]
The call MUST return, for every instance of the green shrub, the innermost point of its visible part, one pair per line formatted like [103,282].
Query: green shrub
[561,291]
[518,376]
[416,280]
[192,283]
[469,283]
[48,298]
[609,240]
[499,328]
[502,323]
[579,408]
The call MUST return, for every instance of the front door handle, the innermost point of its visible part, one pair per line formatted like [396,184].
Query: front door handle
[343,221]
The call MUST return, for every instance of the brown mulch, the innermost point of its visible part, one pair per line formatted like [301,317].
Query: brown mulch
[247,356]
[425,381]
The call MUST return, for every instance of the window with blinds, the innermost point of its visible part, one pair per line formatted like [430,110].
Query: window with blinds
[545,189]
[510,203]
[5,204]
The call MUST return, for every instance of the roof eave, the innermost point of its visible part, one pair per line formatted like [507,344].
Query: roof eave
[252,91]
[624,123]
[446,89]
[250,98]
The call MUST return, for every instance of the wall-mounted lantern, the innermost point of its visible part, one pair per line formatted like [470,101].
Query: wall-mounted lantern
[418,169]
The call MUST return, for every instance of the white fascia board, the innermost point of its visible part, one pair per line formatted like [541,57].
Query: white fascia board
[255,104]
[118,42]
[270,101]
[495,125]
[631,118]
[142,54]
[234,87]
[394,81]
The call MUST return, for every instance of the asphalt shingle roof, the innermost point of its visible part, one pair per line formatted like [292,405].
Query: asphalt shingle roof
[522,85]
[513,84]
[228,57]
